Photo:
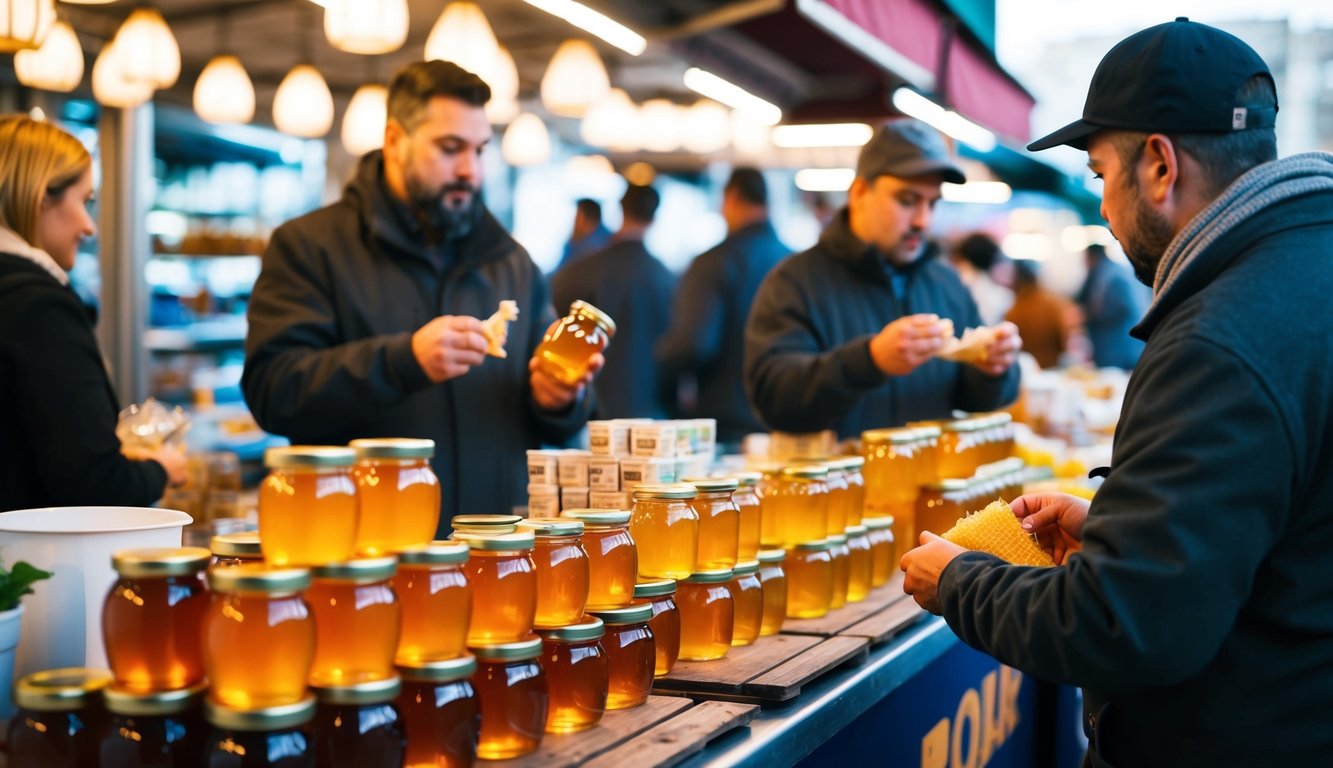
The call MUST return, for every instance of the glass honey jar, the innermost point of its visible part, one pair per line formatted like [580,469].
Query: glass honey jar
[235,548]
[719,521]
[56,722]
[770,478]
[439,710]
[883,553]
[152,615]
[928,460]
[270,737]
[577,673]
[398,491]
[747,596]
[512,691]
[842,570]
[631,653]
[707,615]
[809,570]
[503,580]
[436,602]
[940,505]
[960,448]
[798,500]
[613,560]
[358,726]
[488,525]
[562,570]
[357,621]
[263,662]
[839,497]
[855,500]
[306,483]
[747,502]
[665,528]
[665,623]
[860,563]
[891,476]
[774,582]
[164,728]
[569,344]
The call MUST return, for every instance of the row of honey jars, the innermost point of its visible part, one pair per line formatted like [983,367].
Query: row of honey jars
[943,503]
[966,444]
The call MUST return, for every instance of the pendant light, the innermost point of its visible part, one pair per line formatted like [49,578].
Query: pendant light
[147,49]
[303,105]
[659,125]
[366,26]
[611,122]
[110,86]
[574,80]
[705,127]
[56,66]
[223,93]
[462,35]
[363,122]
[526,141]
[503,106]
[24,24]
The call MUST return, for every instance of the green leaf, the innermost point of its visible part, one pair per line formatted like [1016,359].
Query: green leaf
[18,582]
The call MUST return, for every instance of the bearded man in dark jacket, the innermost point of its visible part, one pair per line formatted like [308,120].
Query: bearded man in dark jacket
[364,319]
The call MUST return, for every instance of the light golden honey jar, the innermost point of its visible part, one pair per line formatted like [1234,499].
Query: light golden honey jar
[747,597]
[774,582]
[719,521]
[436,602]
[631,653]
[613,560]
[259,636]
[665,528]
[569,344]
[562,570]
[503,580]
[357,621]
[665,624]
[809,570]
[707,615]
[399,494]
[305,484]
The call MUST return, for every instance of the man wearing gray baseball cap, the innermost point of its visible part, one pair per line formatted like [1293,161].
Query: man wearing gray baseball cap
[1193,598]
[843,336]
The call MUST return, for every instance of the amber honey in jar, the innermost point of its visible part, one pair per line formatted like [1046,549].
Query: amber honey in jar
[860,564]
[842,570]
[707,615]
[940,505]
[883,553]
[577,673]
[799,502]
[152,616]
[512,691]
[928,462]
[436,602]
[769,479]
[719,521]
[665,623]
[308,505]
[358,726]
[235,548]
[569,344]
[488,525]
[54,724]
[357,621]
[747,596]
[855,500]
[439,710]
[774,582]
[747,502]
[839,495]
[960,451]
[562,570]
[259,636]
[503,580]
[398,491]
[269,737]
[164,728]
[613,560]
[631,653]
[890,477]
[665,528]
[809,569]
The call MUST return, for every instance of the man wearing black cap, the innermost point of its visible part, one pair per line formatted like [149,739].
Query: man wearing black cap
[1194,600]
[842,336]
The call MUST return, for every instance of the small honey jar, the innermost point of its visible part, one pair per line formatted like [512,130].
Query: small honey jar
[747,595]
[398,491]
[513,694]
[630,651]
[562,570]
[439,710]
[263,662]
[270,737]
[357,725]
[152,615]
[436,602]
[52,728]
[665,623]
[774,581]
[719,521]
[577,673]
[503,580]
[613,560]
[707,615]
[568,345]
[357,621]
[307,483]
[809,569]
[665,528]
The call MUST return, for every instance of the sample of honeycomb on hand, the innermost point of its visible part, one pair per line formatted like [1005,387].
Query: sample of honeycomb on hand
[496,327]
[995,530]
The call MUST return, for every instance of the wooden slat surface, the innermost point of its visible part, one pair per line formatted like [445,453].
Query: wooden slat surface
[570,749]
[738,667]
[670,742]
[770,671]
[853,613]
[784,682]
[886,624]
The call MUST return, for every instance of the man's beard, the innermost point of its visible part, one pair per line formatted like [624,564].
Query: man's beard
[442,220]
[1147,239]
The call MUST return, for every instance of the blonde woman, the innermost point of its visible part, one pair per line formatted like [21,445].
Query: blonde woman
[57,409]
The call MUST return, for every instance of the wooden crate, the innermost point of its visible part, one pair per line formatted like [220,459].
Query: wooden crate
[673,740]
[884,613]
[772,670]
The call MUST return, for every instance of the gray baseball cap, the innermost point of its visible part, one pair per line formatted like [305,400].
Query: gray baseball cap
[907,148]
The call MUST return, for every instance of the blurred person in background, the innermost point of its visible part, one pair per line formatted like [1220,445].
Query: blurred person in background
[1045,321]
[1112,305]
[590,234]
[979,262]
[58,444]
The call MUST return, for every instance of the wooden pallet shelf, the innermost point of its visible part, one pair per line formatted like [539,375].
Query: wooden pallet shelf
[884,613]
[771,671]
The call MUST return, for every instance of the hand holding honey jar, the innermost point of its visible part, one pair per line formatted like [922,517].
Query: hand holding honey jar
[570,355]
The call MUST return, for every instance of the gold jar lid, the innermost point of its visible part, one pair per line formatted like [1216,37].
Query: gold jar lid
[838,539]
[806,471]
[517,651]
[309,457]
[745,568]
[637,613]
[748,479]
[160,562]
[256,577]
[598,316]
[712,484]
[520,541]
[928,431]
[393,448]
[358,694]
[655,588]
[60,690]
[281,718]
[710,576]
[242,546]
[435,553]
[772,555]
[818,545]
[363,570]
[120,701]
[856,530]
[593,518]
[664,491]
[962,425]
[949,484]
[437,671]
[848,463]
[485,523]
[877,523]
[552,526]
[589,628]
[894,436]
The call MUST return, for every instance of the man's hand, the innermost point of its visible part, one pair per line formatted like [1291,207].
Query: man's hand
[922,568]
[551,394]
[904,344]
[1056,519]
[1001,353]
[448,346]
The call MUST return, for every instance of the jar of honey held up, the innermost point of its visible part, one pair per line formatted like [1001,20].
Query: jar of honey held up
[490,525]
[265,661]
[503,580]
[860,564]
[357,621]
[939,507]
[839,496]
[747,595]
[799,502]
[436,602]
[707,615]
[613,560]
[562,570]
[399,494]
[571,341]
[774,583]
[440,713]
[631,653]
[55,726]
[271,737]
[357,726]
[719,521]
[665,623]
[577,673]
[513,693]
[235,548]
[809,569]
[747,503]
[165,728]
[665,528]
[883,553]
[308,505]
[842,570]
[151,618]
[890,475]
[854,501]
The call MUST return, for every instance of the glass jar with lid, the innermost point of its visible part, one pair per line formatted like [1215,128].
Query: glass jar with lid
[747,503]
[263,662]
[357,621]
[152,615]
[358,726]
[665,528]
[399,493]
[562,570]
[308,483]
[890,475]
[798,499]
[503,580]
[774,582]
[707,615]
[514,697]
[613,560]
[269,737]
[842,570]
[809,569]
[665,623]
[839,495]
[436,601]
[852,467]
[439,710]
[883,553]
[487,525]
[569,344]
[928,464]
[631,653]
[770,479]
[55,726]
[235,548]
[747,597]
[959,453]
[940,506]
[148,729]
[719,521]
[860,563]
[577,674]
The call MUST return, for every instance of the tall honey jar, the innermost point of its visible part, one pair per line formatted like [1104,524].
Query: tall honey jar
[308,483]
[940,506]
[855,500]
[747,502]
[513,693]
[960,451]
[883,553]
[613,560]
[770,477]
[152,615]
[569,344]
[860,563]
[891,476]
[436,602]
[235,548]
[164,728]
[54,726]
[798,500]
[842,570]
[665,528]
[839,498]
[562,570]
[665,623]
[269,737]
[439,709]
[928,462]
[503,580]
[707,615]
[774,582]
[489,525]
[719,521]
[577,673]
[747,597]
[357,621]
[358,726]
[809,569]
[398,491]
[631,653]
[265,661]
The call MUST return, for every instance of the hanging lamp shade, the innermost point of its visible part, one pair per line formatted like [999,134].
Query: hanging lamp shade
[366,26]
[660,125]
[526,141]
[705,127]
[462,35]
[56,66]
[363,122]
[147,49]
[749,136]
[110,86]
[503,106]
[24,24]
[223,93]
[303,105]
[611,122]
[574,80]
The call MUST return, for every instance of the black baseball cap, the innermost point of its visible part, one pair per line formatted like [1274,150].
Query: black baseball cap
[907,148]
[1177,77]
